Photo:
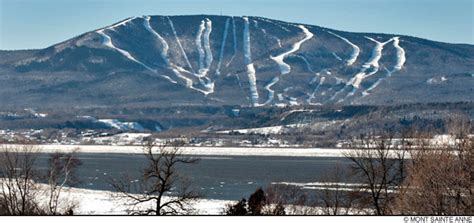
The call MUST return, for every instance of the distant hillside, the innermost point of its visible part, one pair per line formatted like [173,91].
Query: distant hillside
[247,61]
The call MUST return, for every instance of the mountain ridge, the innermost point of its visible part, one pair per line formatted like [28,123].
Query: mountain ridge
[319,71]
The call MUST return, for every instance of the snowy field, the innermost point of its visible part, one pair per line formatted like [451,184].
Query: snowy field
[203,151]
[96,202]
[92,202]
[99,202]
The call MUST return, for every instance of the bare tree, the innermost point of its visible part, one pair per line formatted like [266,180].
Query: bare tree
[288,200]
[161,190]
[336,199]
[439,180]
[62,169]
[380,165]
[18,188]
[20,192]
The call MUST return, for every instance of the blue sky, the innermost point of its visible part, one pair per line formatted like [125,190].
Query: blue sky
[26,24]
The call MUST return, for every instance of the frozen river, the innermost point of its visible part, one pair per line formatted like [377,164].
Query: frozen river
[216,177]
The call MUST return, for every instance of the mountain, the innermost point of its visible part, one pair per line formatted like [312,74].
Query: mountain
[247,61]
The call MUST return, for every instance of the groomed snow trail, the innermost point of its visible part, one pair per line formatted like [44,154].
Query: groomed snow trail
[368,90]
[372,63]
[203,34]
[107,41]
[274,23]
[316,89]
[305,60]
[164,51]
[177,70]
[204,49]
[376,53]
[164,44]
[271,93]
[207,44]
[355,49]
[179,44]
[265,33]
[249,65]
[124,22]
[234,37]
[221,54]
[205,55]
[201,52]
[400,62]
[401,59]
[284,67]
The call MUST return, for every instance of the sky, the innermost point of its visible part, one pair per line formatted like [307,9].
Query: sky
[34,24]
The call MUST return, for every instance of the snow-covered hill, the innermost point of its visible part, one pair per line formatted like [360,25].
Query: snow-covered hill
[172,60]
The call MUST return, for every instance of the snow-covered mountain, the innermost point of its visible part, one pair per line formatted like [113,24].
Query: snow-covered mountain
[222,60]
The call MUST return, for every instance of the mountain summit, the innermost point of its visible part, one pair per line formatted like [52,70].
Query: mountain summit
[222,60]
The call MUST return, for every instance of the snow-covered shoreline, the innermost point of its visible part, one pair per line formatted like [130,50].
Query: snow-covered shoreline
[102,202]
[201,151]
[205,150]
[97,202]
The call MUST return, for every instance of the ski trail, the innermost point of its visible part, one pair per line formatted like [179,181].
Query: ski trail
[401,59]
[241,87]
[164,51]
[274,23]
[336,56]
[177,69]
[376,53]
[339,92]
[278,40]
[189,83]
[107,41]
[124,22]
[355,49]
[368,90]
[204,51]
[351,93]
[247,51]
[359,77]
[284,67]
[280,97]
[201,52]
[207,83]
[271,93]
[255,24]
[234,35]
[179,43]
[265,33]
[224,38]
[253,83]
[372,63]
[312,96]
[207,44]
[249,65]
[305,60]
